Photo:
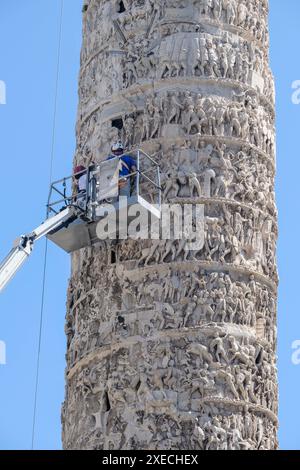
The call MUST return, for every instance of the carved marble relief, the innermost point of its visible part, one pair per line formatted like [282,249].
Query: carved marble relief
[169,348]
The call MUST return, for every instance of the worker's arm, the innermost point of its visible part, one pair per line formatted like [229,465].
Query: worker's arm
[24,245]
[130,163]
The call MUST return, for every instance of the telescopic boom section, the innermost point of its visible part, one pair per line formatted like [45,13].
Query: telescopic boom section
[13,262]
[24,245]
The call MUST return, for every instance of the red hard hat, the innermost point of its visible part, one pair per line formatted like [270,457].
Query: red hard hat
[78,169]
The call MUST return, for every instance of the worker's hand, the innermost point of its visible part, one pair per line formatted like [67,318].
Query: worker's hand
[122,183]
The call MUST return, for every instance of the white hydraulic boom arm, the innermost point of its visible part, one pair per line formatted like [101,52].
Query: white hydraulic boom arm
[23,246]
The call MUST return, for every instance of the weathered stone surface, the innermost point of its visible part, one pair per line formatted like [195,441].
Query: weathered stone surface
[167,348]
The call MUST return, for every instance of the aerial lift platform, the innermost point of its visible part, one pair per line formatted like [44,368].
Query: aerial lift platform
[73,217]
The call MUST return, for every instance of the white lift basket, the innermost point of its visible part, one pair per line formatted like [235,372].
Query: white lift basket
[103,191]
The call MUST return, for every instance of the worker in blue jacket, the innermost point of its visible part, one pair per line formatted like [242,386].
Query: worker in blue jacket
[128,167]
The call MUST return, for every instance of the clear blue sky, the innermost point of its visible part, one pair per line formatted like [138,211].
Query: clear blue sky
[28,49]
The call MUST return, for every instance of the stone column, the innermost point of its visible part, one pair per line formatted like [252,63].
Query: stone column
[169,348]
